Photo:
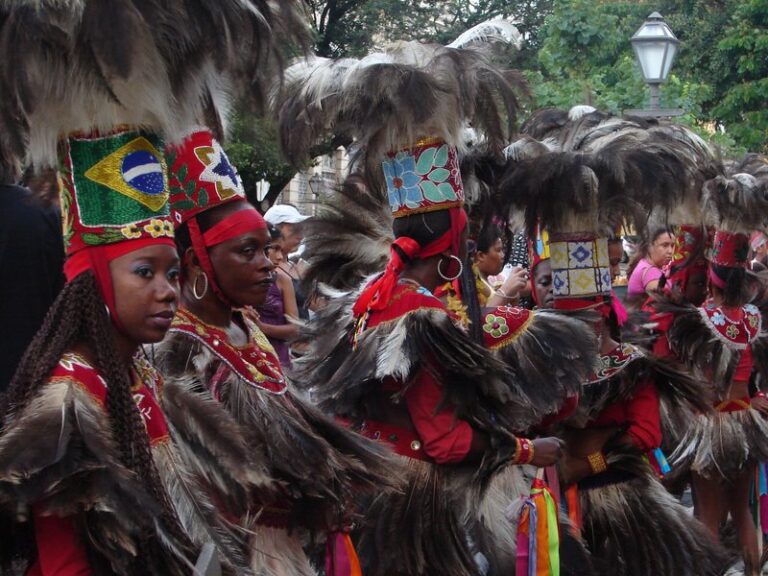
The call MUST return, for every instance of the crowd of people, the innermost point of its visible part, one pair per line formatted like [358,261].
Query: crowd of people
[431,376]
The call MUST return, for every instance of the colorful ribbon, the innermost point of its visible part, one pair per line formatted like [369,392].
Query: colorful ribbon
[340,556]
[538,534]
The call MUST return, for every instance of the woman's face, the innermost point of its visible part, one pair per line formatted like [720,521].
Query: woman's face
[542,283]
[146,287]
[491,262]
[696,288]
[662,249]
[275,253]
[242,267]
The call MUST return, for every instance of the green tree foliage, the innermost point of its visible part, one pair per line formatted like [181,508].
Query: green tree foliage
[719,78]
[586,57]
[743,107]
[253,147]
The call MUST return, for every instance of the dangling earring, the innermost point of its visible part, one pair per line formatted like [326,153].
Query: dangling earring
[194,286]
[448,278]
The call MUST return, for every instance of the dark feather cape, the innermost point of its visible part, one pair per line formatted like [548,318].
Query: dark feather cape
[295,454]
[551,358]
[58,455]
[343,377]
[699,348]
[81,66]
[677,389]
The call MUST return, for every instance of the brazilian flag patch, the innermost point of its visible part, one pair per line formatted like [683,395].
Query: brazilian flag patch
[119,179]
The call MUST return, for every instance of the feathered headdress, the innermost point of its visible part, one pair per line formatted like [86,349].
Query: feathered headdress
[82,66]
[390,100]
[737,206]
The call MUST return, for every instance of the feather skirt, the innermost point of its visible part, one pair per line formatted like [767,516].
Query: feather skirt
[425,529]
[723,443]
[277,552]
[636,528]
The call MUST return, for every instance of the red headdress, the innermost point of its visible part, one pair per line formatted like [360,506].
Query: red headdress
[738,205]
[202,178]
[114,200]
[689,257]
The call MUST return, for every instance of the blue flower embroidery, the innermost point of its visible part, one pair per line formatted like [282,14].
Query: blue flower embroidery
[402,182]
[718,319]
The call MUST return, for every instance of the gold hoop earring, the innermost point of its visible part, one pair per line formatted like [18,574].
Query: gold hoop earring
[194,286]
[448,278]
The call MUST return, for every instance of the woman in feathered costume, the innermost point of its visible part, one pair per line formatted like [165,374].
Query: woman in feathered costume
[271,461]
[89,476]
[389,356]
[724,344]
[630,523]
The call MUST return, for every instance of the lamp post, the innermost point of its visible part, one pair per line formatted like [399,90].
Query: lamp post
[317,187]
[655,47]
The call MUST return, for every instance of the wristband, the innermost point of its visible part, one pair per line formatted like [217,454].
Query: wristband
[597,462]
[524,451]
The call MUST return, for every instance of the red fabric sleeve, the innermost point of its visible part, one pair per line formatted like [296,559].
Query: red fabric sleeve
[59,550]
[445,438]
[642,412]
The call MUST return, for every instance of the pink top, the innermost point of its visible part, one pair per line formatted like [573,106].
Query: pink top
[643,274]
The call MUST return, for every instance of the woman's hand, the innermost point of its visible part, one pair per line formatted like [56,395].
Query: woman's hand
[546,451]
[515,283]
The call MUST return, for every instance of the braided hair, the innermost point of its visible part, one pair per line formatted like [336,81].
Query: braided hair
[78,317]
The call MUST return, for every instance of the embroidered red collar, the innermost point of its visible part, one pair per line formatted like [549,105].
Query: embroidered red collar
[615,361]
[737,332]
[147,382]
[256,363]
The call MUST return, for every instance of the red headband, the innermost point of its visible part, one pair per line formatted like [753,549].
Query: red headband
[237,224]
[97,259]
[377,294]
[234,225]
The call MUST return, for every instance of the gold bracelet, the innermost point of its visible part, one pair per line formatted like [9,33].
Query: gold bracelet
[597,462]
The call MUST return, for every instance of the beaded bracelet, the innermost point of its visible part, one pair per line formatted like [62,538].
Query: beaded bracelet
[597,462]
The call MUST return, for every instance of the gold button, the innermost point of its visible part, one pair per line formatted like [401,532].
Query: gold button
[415,445]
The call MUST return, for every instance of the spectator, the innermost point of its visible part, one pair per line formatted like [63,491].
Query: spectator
[31,265]
[287,219]
[279,304]
[652,255]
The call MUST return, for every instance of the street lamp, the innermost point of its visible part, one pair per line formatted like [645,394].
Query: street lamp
[317,187]
[656,47]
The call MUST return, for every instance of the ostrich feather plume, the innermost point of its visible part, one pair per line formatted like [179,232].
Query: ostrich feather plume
[85,65]
[389,100]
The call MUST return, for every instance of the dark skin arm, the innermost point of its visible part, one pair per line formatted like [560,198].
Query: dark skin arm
[574,465]
[546,451]
[284,331]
